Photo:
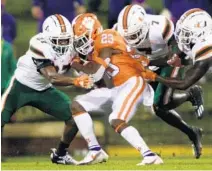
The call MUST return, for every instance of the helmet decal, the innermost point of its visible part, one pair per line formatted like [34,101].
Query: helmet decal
[61,22]
[125,16]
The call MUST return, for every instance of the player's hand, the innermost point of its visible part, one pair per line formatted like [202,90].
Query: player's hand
[75,59]
[175,61]
[84,81]
[149,75]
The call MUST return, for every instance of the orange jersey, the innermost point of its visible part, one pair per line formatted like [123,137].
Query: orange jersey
[122,66]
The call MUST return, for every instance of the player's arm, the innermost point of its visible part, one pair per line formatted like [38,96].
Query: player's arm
[196,72]
[93,66]
[97,66]
[46,68]
[160,62]
[51,74]
[88,68]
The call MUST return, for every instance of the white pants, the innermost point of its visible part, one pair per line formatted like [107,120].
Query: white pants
[122,99]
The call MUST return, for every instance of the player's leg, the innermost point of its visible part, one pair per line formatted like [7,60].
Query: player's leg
[83,104]
[172,100]
[12,99]
[8,104]
[163,95]
[169,99]
[57,104]
[125,102]
[172,118]
[16,96]
[193,94]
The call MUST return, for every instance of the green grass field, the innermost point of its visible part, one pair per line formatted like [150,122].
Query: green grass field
[114,163]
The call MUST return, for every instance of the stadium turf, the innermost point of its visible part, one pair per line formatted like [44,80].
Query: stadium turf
[115,163]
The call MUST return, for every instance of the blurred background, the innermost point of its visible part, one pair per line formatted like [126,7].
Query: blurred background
[33,132]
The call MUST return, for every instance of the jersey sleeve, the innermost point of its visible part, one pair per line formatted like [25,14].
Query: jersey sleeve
[167,29]
[161,28]
[42,63]
[38,48]
[202,50]
[37,51]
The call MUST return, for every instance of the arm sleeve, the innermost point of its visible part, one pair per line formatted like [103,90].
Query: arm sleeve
[42,63]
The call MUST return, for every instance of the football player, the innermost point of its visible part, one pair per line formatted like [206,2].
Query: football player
[194,37]
[152,36]
[126,88]
[43,66]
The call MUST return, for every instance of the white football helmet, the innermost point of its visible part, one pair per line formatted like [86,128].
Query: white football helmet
[132,24]
[194,25]
[57,31]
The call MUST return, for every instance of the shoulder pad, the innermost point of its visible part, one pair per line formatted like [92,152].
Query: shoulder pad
[202,50]
[168,29]
[161,27]
[38,46]
[109,39]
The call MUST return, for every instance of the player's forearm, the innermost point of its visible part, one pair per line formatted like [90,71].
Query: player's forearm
[49,72]
[60,80]
[173,82]
[196,72]
[88,68]
[161,62]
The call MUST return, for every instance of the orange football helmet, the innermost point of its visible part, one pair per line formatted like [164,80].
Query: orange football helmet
[85,27]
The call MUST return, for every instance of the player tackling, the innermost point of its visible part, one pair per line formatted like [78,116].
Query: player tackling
[151,36]
[194,37]
[47,58]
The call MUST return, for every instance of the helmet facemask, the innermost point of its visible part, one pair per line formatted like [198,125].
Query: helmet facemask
[193,26]
[60,45]
[84,44]
[186,38]
[134,39]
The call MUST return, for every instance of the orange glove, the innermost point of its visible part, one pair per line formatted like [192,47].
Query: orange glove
[84,81]
[149,75]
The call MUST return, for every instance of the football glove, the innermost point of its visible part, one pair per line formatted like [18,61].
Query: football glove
[84,81]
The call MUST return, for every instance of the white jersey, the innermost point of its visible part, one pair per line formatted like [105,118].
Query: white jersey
[201,50]
[38,54]
[161,30]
